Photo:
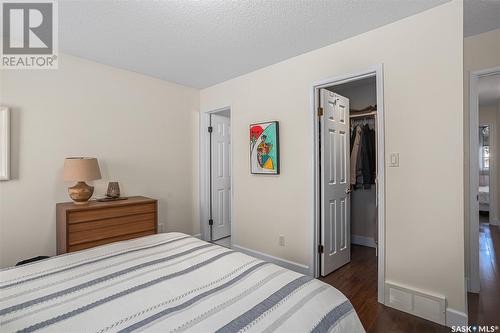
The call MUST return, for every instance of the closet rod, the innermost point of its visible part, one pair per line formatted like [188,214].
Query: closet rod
[374,113]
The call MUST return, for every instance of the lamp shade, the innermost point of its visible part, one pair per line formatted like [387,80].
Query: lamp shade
[80,169]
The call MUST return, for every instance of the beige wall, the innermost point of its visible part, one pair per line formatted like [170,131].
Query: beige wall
[142,130]
[488,115]
[480,52]
[422,58]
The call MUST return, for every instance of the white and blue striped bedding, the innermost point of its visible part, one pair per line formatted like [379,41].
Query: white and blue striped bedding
[167,283]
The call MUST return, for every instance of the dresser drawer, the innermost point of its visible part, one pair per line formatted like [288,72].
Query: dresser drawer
[97,223]
[103,232]
[111,222]
[109,212]
[88,245]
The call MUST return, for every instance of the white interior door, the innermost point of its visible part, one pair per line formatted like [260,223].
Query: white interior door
[221,177]
[335,185]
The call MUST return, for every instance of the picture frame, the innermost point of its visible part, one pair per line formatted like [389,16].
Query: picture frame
[4,143]
[265,148]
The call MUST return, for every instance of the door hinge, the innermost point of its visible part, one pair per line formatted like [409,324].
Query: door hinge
[321,249]
[210,222]
[210,129]
[320,111]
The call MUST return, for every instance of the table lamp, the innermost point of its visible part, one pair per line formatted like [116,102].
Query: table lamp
[81,169]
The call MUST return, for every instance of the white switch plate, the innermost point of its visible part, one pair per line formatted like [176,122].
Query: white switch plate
[394,160]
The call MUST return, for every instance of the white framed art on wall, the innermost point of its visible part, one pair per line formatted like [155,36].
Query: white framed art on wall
[4,143]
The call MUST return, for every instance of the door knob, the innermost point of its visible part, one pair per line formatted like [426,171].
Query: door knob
[348,191]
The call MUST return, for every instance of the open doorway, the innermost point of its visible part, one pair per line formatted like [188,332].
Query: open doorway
[348,172]
[486,126]
[216,198]
[484,176]
[349,183]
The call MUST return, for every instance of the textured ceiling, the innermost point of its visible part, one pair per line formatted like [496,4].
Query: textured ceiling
[201,43]
[481,16]
[489,90]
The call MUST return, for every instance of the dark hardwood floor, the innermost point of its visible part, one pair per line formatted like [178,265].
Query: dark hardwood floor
[358,281]
[484,308]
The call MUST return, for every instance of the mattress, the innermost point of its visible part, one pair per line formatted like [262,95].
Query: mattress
[484,195]
[167,283]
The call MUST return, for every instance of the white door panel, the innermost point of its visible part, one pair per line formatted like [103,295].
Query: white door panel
[221,179]
[335,187]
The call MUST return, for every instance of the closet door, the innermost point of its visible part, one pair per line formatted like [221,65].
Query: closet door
[335,185]
[221,178]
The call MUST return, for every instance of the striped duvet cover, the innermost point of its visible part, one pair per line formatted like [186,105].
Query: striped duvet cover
[167,283]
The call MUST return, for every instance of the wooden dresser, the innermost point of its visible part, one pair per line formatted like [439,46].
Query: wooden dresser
[96,223]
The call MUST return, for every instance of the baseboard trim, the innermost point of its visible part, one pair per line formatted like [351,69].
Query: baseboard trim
[197,236]
[363,240]
[456,318]
[294,266]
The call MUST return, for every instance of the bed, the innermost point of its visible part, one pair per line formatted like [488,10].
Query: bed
[484,198]
[168,282]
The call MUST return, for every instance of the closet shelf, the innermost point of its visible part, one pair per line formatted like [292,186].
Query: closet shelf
[366,114]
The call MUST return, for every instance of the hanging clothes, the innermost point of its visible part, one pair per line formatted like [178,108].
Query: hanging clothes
[363,158]
[355,143]
[373,156]
[363,167]
[369,159]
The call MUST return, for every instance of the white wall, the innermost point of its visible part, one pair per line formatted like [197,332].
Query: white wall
[422,58]
[142,130]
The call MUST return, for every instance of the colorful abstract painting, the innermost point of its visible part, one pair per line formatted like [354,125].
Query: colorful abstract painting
[264,148]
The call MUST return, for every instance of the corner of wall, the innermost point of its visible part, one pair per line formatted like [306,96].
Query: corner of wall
[455,318]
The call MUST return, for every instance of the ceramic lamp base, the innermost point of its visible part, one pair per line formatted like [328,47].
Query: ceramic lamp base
[80,193]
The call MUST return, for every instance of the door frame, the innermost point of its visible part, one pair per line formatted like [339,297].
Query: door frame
[473,284]
[205,171]
[314,257]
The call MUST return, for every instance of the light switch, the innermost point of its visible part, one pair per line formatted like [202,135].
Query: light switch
[394,160]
